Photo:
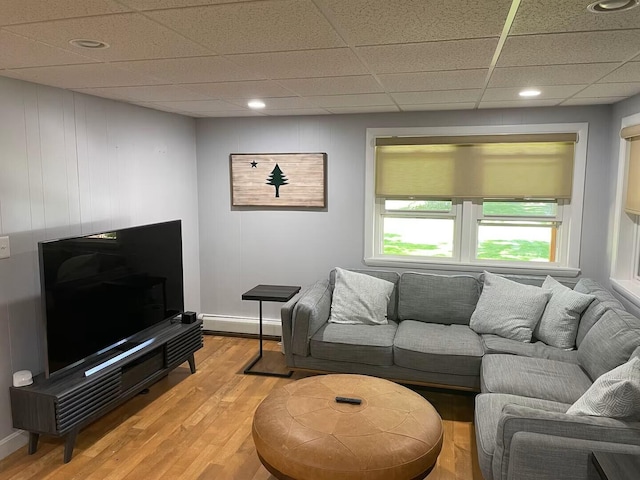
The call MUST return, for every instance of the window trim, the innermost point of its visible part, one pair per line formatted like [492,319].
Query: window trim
[571,210]
[625,253]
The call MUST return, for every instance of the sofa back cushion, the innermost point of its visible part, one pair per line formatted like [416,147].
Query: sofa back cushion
[393,277]
[609,343]
[603,301]
[437,298]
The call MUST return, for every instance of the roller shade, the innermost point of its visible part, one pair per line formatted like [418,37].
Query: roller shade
[632,134]
[495,166]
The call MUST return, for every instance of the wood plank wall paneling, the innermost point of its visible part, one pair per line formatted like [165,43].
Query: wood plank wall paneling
[72,164]
[197,427]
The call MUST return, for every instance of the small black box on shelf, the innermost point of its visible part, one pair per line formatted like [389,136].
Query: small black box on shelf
[189,317]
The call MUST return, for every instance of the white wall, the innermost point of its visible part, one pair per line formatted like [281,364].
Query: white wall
[240,248]
[72,164]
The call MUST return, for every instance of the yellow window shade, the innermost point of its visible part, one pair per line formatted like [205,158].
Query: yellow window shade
[632,204]
[541,167]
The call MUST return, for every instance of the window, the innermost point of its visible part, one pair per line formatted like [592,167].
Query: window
[625,268]
[475,199]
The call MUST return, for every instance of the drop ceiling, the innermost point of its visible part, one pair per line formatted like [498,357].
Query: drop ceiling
[207,58]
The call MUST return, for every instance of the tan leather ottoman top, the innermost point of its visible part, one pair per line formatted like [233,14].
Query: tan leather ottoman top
[301,432]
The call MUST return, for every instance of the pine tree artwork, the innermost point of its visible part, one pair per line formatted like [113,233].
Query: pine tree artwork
[277,178]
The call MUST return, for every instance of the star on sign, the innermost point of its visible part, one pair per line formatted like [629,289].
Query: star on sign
[254,164]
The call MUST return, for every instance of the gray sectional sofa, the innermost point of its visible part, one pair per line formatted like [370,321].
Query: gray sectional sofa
[522,428]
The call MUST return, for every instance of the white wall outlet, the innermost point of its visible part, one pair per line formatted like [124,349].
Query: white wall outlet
[5,251]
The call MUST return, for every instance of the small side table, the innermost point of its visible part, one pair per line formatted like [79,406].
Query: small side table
[268,293]
[616,466]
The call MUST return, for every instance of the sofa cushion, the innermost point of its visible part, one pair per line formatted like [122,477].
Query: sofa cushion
[533,377]
[603,302]
[488,411]
[609,343]
[496,344]
[359,299]
[615,394]
[507,308]
[393,277]
[369,344]
[432,347]
[559,323]
[437,298]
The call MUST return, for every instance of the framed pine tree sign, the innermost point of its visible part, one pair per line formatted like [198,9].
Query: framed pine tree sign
[278,180]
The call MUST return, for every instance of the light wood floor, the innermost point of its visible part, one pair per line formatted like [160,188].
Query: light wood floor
[198,427]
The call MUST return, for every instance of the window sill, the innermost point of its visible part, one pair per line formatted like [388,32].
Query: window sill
[520,269]
[629,289]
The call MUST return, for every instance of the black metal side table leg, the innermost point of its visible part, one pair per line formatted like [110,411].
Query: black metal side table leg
[249,366]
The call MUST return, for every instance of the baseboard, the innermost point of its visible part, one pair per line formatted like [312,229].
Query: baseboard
[244,325]
[13,442]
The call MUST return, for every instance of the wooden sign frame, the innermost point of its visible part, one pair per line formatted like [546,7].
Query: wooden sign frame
[288,180]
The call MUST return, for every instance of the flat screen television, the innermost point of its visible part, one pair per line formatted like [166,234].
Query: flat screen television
[100,290]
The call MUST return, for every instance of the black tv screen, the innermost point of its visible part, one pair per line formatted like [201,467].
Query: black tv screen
[99,290]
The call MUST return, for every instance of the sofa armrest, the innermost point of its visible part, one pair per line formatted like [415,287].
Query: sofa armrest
[517,418]
[536,456]
[301,320]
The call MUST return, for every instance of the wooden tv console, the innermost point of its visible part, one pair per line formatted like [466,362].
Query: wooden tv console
[62,406]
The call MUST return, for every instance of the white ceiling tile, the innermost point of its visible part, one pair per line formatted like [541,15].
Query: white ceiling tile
[362,100]
[591,101]
[21,11]
[130,36]
[437,96]
[546,16]
[569,48]
[303,64]
[629,72]
[252,89]
[373,22]
[160,4]
[200,106]
[265,26]
[364,109]
[548,92]
[549,75]
[438,106]
[428,57]
[148,93]
[296,111]
[231,113]
[424,81]
[82,76]
[610,90]
[192,70]
[18,52]
[332,85]
[520,103]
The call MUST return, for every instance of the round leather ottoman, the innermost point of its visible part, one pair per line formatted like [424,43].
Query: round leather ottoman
[302,433]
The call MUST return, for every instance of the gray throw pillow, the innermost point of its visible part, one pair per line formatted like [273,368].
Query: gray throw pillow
[508,309]
[615,394]
[559,323]
[359,299]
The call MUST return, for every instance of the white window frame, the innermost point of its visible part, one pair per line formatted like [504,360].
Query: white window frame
[571,211]
[625,254]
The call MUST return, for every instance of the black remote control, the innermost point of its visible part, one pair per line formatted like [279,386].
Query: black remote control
[352,401]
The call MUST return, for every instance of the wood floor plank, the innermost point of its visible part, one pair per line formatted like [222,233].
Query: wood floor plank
[198,427]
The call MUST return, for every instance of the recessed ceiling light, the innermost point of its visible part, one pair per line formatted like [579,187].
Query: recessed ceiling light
[529,92]
[256,104]
[607,6]
[86,43]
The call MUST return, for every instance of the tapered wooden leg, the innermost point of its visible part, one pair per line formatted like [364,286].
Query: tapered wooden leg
[33,442]
[69,443]
[192,363]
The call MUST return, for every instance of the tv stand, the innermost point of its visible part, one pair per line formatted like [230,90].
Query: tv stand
[61,406]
